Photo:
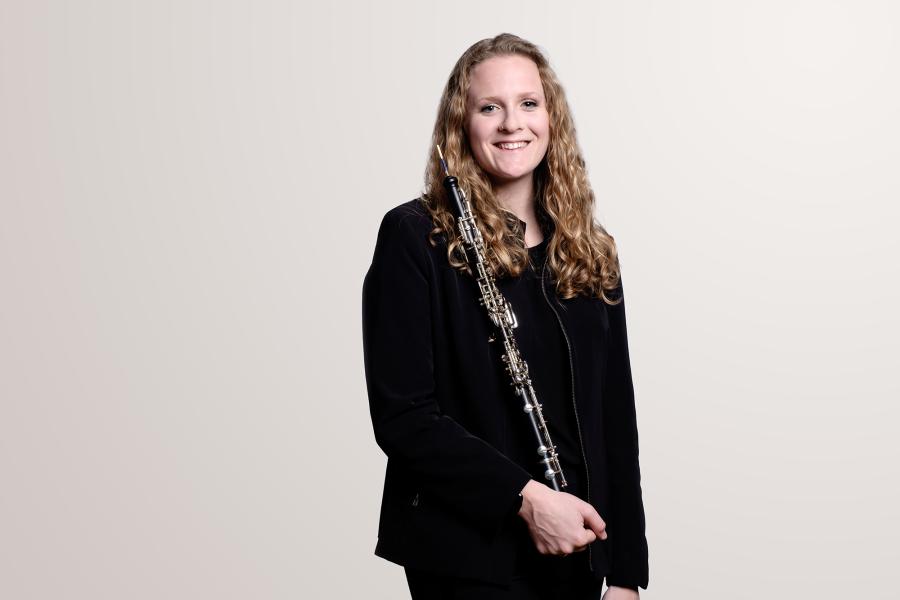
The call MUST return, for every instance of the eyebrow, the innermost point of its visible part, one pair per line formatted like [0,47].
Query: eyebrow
[497,98]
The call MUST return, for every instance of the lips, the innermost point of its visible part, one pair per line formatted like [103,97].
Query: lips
[512,146]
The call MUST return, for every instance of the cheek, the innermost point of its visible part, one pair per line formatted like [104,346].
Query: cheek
[544,134]
[543,124]
[478,139]
[477,135]
[474,143]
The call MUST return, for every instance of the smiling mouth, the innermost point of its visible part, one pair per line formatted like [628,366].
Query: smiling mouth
[511,145]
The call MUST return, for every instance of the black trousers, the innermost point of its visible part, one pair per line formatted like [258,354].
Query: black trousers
[531,586]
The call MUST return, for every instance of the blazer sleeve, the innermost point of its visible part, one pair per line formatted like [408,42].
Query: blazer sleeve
[458,469]
[626,527]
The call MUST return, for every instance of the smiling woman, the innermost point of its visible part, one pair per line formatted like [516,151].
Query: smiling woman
[465,508]
[503,90]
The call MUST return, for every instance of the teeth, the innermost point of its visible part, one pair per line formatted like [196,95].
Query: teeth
[513,145]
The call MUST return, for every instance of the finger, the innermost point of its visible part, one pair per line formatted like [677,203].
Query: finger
[587,537]
[593,521]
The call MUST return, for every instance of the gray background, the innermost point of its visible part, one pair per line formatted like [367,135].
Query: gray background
[189,197]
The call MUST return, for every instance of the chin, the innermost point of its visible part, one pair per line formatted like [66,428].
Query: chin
[505,177]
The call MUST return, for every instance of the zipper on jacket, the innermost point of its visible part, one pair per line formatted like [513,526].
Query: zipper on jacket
[587,477]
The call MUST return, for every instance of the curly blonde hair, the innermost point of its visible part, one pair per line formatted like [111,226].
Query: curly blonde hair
[582,255]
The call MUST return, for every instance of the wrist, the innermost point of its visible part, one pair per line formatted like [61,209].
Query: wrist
[527,494]
[623,587]
[624,593]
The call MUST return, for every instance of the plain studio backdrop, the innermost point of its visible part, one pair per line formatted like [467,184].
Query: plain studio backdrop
[189,197]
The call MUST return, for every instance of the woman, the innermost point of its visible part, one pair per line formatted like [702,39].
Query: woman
[464,508]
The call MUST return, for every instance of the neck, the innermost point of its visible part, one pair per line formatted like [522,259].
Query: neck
[518,198]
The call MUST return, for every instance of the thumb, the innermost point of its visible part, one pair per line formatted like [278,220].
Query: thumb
[593,521]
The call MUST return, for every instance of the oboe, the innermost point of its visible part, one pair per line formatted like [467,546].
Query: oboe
[503,317]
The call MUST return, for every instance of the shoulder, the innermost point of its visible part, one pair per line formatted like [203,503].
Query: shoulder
[405,224]
[404,231]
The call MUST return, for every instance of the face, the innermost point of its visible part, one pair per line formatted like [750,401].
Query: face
[506,117]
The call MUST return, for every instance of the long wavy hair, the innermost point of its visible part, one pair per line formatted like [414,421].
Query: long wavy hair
[581,255]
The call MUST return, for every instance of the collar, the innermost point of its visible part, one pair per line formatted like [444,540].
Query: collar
[544,221]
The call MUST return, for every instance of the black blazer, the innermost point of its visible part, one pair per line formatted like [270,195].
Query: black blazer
[435,384]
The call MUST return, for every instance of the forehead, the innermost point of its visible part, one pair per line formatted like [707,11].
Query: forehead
[504,76]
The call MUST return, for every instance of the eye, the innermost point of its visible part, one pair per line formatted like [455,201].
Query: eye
[530,103]
[485,108]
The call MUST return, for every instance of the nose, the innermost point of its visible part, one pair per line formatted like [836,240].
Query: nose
[510,121]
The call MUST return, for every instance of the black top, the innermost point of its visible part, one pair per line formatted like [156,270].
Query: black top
[543,347]
[433,384]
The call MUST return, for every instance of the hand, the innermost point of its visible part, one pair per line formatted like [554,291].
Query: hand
[619,593]
[559,523]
